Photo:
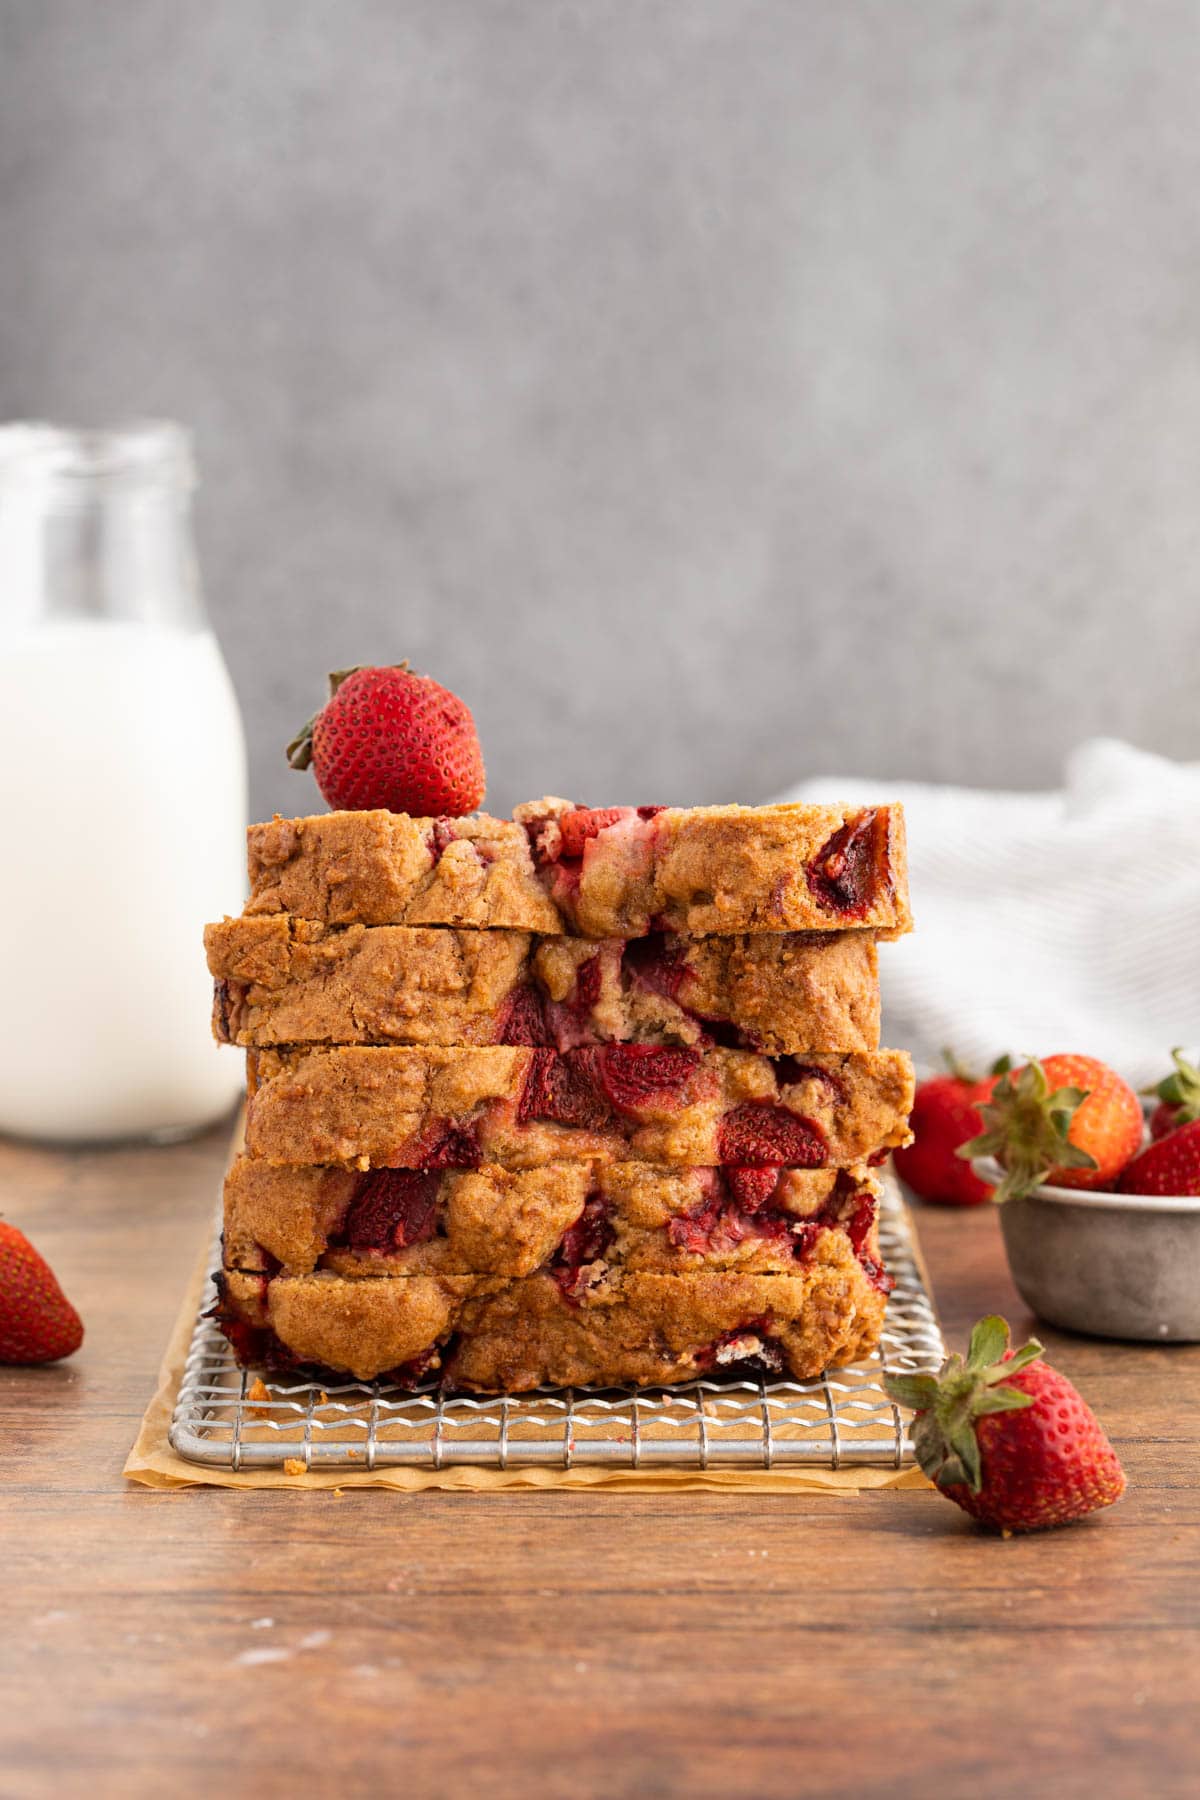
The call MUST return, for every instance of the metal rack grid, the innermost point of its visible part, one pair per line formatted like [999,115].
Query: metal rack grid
[842,1418]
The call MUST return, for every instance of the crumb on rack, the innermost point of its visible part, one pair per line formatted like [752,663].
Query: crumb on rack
[257,1392]
[293,1465]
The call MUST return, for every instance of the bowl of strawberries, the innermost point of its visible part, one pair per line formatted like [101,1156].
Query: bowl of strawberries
[1099,1197]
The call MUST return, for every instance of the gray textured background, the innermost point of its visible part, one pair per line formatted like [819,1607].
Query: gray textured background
[712,392]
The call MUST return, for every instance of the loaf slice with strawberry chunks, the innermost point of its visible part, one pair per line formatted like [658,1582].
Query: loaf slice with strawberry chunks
[447,1108]
[493,1334]
[282,980]
[582,1221]
[612,872]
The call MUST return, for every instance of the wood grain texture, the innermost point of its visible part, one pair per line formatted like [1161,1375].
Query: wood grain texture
[209,1641]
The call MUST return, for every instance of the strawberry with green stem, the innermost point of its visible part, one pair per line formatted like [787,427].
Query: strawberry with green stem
[1178,1097]
[390,739]
[1070,1121]
[1008,1438]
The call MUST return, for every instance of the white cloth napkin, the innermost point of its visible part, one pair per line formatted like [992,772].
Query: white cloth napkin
[1063,921]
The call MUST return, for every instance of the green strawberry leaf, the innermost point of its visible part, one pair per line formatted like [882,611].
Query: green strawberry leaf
[929,1446]
[1180,1089]
[299,751]
[1020,1359]
[917,1392]
[950,1472]
[1001,1399]
[989,1341]
[964,1449]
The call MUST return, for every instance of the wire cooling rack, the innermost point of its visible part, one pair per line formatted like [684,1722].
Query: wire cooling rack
[223,1416]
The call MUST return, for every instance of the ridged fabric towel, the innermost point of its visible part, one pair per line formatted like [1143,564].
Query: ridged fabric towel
[1046,922]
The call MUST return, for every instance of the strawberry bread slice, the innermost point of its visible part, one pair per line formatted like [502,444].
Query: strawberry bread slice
[495,1334]
[458,1108]
[611,872]
[284,980]
[580,1220]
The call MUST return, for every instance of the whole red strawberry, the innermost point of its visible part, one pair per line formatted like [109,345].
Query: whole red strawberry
[390,739]
[38,1324]
[945,1115]
[1171,1166]
[1069,1121]
[1178,1097]
[1007,1438]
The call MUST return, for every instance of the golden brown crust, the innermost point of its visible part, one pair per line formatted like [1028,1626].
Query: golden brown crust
[283,980]
[382,868]
[410,1108]
[588,1220]
[701,871]
[513,1335]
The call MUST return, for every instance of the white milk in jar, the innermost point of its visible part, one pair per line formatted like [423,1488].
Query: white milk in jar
[122,781]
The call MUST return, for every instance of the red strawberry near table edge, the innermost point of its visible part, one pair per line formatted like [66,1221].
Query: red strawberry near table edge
[1066,1121]
[38,1324]
[945,1115]
[391,739]
[1008,1438]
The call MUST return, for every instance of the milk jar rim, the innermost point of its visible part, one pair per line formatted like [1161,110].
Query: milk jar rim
[150,452]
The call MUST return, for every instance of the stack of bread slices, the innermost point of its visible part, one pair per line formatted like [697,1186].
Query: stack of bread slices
[588,1096]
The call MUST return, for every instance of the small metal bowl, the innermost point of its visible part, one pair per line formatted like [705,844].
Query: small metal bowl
[1111,1265]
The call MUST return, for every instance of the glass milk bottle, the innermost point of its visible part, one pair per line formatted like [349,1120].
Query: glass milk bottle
[123,790]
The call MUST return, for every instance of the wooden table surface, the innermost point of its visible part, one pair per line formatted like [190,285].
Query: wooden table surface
[223,1643]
